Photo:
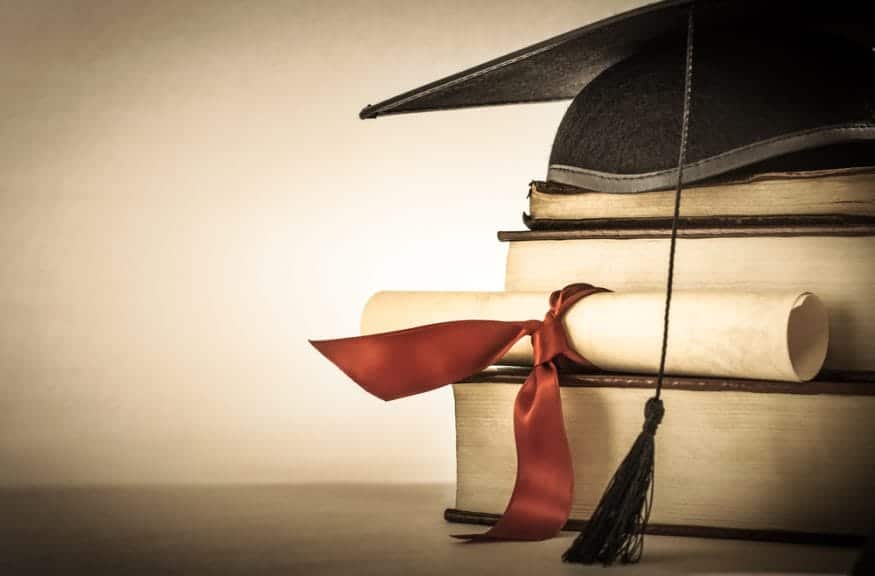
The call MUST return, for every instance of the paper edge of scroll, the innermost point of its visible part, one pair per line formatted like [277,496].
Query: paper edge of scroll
[807,335]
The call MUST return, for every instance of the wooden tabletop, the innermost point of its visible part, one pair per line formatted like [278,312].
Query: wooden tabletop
[313,530]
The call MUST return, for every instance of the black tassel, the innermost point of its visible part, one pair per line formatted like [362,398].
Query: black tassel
[616,529]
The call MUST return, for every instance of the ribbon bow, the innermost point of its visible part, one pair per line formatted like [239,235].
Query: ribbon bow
[407,362]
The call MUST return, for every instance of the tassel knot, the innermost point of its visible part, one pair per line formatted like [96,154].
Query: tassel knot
[653,413]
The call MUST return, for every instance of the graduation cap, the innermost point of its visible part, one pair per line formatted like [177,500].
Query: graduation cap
[779,86]
[764,84]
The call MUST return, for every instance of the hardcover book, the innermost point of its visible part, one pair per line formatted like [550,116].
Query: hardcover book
[834,262]
[826,196]
[737,458]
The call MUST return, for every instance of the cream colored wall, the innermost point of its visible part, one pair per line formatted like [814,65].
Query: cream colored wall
[187,195]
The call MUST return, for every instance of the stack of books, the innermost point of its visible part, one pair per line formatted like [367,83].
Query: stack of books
[735,458]
[776,134]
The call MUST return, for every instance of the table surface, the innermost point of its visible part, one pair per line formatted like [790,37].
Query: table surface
[329,529]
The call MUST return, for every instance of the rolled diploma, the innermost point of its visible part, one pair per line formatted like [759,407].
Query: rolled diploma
[774,335]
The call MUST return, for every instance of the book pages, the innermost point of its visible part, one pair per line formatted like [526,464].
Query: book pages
[839,269]
[849,191]
[724,459]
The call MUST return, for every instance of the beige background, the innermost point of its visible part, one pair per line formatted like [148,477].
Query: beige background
[186,195]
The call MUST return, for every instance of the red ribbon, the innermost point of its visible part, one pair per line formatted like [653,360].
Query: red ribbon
[407,362]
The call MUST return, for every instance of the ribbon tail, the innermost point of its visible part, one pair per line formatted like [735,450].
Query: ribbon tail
[406,362]
[541,501]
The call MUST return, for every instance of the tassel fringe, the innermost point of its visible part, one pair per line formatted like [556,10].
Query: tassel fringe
[616,529]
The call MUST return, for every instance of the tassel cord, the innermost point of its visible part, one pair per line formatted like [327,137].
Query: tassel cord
[616,528]
[682,158]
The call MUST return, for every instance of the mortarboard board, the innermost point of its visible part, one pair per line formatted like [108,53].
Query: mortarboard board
[778,85]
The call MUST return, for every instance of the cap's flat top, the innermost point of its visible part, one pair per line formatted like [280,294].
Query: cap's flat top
[559,67]
[554,69]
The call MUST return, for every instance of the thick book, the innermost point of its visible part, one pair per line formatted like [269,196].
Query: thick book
[824,196]
[734,458]
[837,263]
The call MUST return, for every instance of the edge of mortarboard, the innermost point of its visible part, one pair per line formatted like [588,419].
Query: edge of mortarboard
[394,105]
[372,111]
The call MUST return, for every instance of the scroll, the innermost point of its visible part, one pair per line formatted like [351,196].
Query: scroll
[765,335]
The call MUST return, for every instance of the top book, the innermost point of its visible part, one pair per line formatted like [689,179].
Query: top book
[826,196]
